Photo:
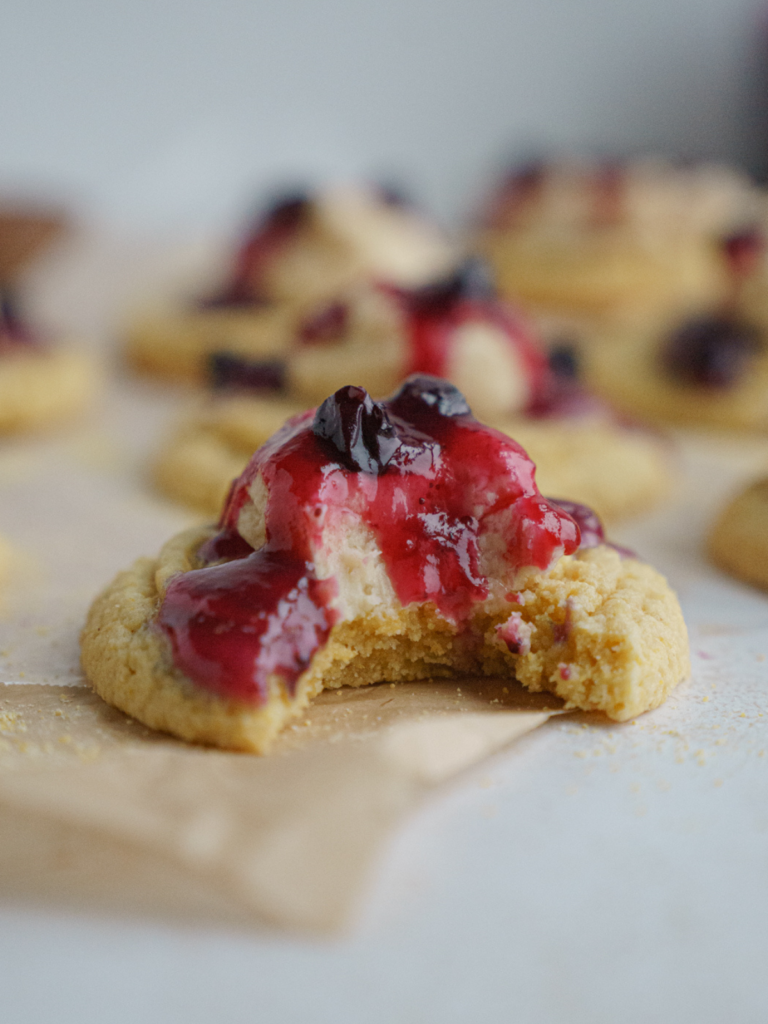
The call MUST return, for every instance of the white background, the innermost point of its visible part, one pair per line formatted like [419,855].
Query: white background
[179,113]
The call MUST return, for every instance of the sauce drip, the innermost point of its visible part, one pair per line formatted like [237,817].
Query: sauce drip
[424,477]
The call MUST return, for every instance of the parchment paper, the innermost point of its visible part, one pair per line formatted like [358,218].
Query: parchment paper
[98,811]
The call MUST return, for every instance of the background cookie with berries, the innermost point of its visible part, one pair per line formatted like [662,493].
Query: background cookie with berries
[40,383]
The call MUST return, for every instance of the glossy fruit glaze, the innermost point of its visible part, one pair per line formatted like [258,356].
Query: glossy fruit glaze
[421,474]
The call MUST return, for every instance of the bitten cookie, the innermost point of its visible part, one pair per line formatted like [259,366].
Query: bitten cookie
[374,541]
[738,542]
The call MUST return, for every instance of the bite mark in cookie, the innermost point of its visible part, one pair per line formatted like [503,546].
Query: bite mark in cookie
[380,541]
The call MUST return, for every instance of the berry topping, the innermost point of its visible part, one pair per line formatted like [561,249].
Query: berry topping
[358,429]
[430,392]
[521,185]
[393,195]
[263,243]
[564,360]
[712,351]
[473,280]
[743,249]
[609,190]
[13,331]
[328,325]
[451,484]
[234,372]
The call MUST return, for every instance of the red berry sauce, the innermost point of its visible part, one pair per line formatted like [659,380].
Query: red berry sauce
[468,296]
[421,473]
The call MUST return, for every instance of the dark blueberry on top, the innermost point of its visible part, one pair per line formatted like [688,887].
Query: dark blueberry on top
[357,429]
[392,194]
[711,351]
[329,324]
[229,371]
[525,178]
[422,391]
[12,327]
[564,360]
[286,212]
[473,279]
[743,248]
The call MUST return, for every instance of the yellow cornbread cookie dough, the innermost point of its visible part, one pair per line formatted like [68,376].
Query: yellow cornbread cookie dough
[605,634]
[42,386]
[738,542]
[615,470]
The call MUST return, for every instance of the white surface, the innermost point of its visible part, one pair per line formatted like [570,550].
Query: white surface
[595,874]
[163,112]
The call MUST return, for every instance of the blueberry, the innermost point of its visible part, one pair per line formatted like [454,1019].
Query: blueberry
[432,392]
[564,360]
[711,351]
[358,429]
[12,327]
[392,194]
[525,178]
[287,212]
[229,371]
[473,279]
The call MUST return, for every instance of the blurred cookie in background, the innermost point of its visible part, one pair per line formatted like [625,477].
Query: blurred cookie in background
[694,366]
[42,382]
[301,252]
[594,239]
[738,542]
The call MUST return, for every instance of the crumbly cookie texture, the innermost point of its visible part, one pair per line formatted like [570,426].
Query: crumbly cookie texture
[604,633]
[617,471]
[38,387]
[738,542]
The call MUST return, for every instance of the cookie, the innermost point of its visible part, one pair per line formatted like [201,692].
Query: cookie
[738,542]
[39,384]
[301,253]
[601,239]
[374,541]
[692,369]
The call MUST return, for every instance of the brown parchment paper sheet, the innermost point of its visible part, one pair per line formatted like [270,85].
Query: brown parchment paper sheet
[97,811]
